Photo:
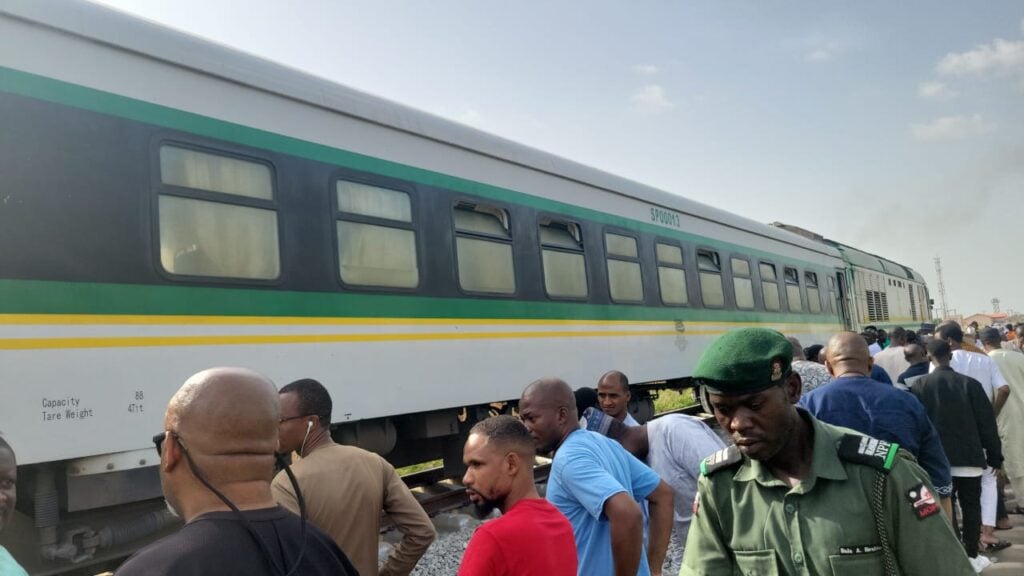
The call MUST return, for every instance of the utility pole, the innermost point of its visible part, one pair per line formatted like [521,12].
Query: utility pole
[942,289]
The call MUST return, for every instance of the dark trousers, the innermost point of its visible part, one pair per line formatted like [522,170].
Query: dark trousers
[967,491]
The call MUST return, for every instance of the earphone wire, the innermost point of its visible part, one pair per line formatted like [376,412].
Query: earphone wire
[302,449]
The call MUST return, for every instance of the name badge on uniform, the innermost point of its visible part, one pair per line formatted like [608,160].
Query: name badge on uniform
[922,501]
[855,550]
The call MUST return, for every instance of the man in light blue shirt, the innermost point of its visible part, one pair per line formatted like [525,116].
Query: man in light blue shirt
[598,486]
[673,446]
[8,498]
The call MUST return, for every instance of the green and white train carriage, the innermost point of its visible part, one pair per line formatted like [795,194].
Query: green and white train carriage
[168,204]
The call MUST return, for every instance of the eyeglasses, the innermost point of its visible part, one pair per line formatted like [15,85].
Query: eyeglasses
[159,439]
[283,420]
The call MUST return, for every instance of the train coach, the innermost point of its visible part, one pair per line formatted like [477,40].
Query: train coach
[168,204]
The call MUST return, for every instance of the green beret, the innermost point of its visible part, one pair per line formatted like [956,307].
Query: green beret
[744,361]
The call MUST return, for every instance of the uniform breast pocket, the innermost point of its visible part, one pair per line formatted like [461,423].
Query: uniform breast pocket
[867,564]
[756,563]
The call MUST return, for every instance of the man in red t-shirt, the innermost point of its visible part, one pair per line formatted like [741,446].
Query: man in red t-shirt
[531,536]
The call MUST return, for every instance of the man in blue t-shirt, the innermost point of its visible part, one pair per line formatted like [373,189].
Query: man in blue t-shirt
[598,486]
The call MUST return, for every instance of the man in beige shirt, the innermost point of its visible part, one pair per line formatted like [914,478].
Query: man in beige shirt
[346,488]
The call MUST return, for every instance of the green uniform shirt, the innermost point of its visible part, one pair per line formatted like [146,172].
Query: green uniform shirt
[749,522]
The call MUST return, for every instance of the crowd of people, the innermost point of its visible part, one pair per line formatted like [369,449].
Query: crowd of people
[880,452]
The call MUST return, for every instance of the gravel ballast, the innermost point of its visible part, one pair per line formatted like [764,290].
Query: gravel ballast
[453,533]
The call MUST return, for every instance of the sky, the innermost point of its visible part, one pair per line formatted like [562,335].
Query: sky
[897,128]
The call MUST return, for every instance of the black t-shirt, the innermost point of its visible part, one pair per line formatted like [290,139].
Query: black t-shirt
[218,543]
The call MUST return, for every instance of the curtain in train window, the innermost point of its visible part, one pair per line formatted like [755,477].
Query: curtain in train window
[792,279]
[231,233]
[770,286]
[203,171]
[376,239]
[742,285]
[709,265]
[813,297]
[565,271]
[671,274]
[200,238]
[483,244]
[625,282]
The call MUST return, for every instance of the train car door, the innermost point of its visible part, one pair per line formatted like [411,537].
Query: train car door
[842,304]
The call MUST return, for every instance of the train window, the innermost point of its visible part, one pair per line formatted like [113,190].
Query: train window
[742,285]
[813,297]
[624,280]
[770,286]
[200,238]
[565,272]
[235,234]
[483,243]
[380,251]
[204,171]
[618,245]
[366,200]
[710,266]
[671,275]
[792,279]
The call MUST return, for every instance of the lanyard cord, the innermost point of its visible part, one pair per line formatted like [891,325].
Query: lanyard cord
[248,525]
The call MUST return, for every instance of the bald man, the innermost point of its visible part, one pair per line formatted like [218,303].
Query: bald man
[856,401]
[216,462]
[598,486]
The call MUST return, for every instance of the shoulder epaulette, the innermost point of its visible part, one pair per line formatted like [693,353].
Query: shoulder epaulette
[724,458]
[868,451]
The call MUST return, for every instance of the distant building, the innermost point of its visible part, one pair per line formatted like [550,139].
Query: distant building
[985,319]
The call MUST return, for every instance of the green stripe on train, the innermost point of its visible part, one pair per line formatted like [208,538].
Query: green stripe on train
[44,297]
[56,91]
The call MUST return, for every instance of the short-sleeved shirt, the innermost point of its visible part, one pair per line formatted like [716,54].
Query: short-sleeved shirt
[532,537]
[629,420]
[677,445]
[218,543]
[588,469]
[8,565]
[881,411]
[749,522]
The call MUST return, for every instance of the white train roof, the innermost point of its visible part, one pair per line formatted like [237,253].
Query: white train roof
[112,27]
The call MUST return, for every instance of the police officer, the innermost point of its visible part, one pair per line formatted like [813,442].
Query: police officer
[798,496]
